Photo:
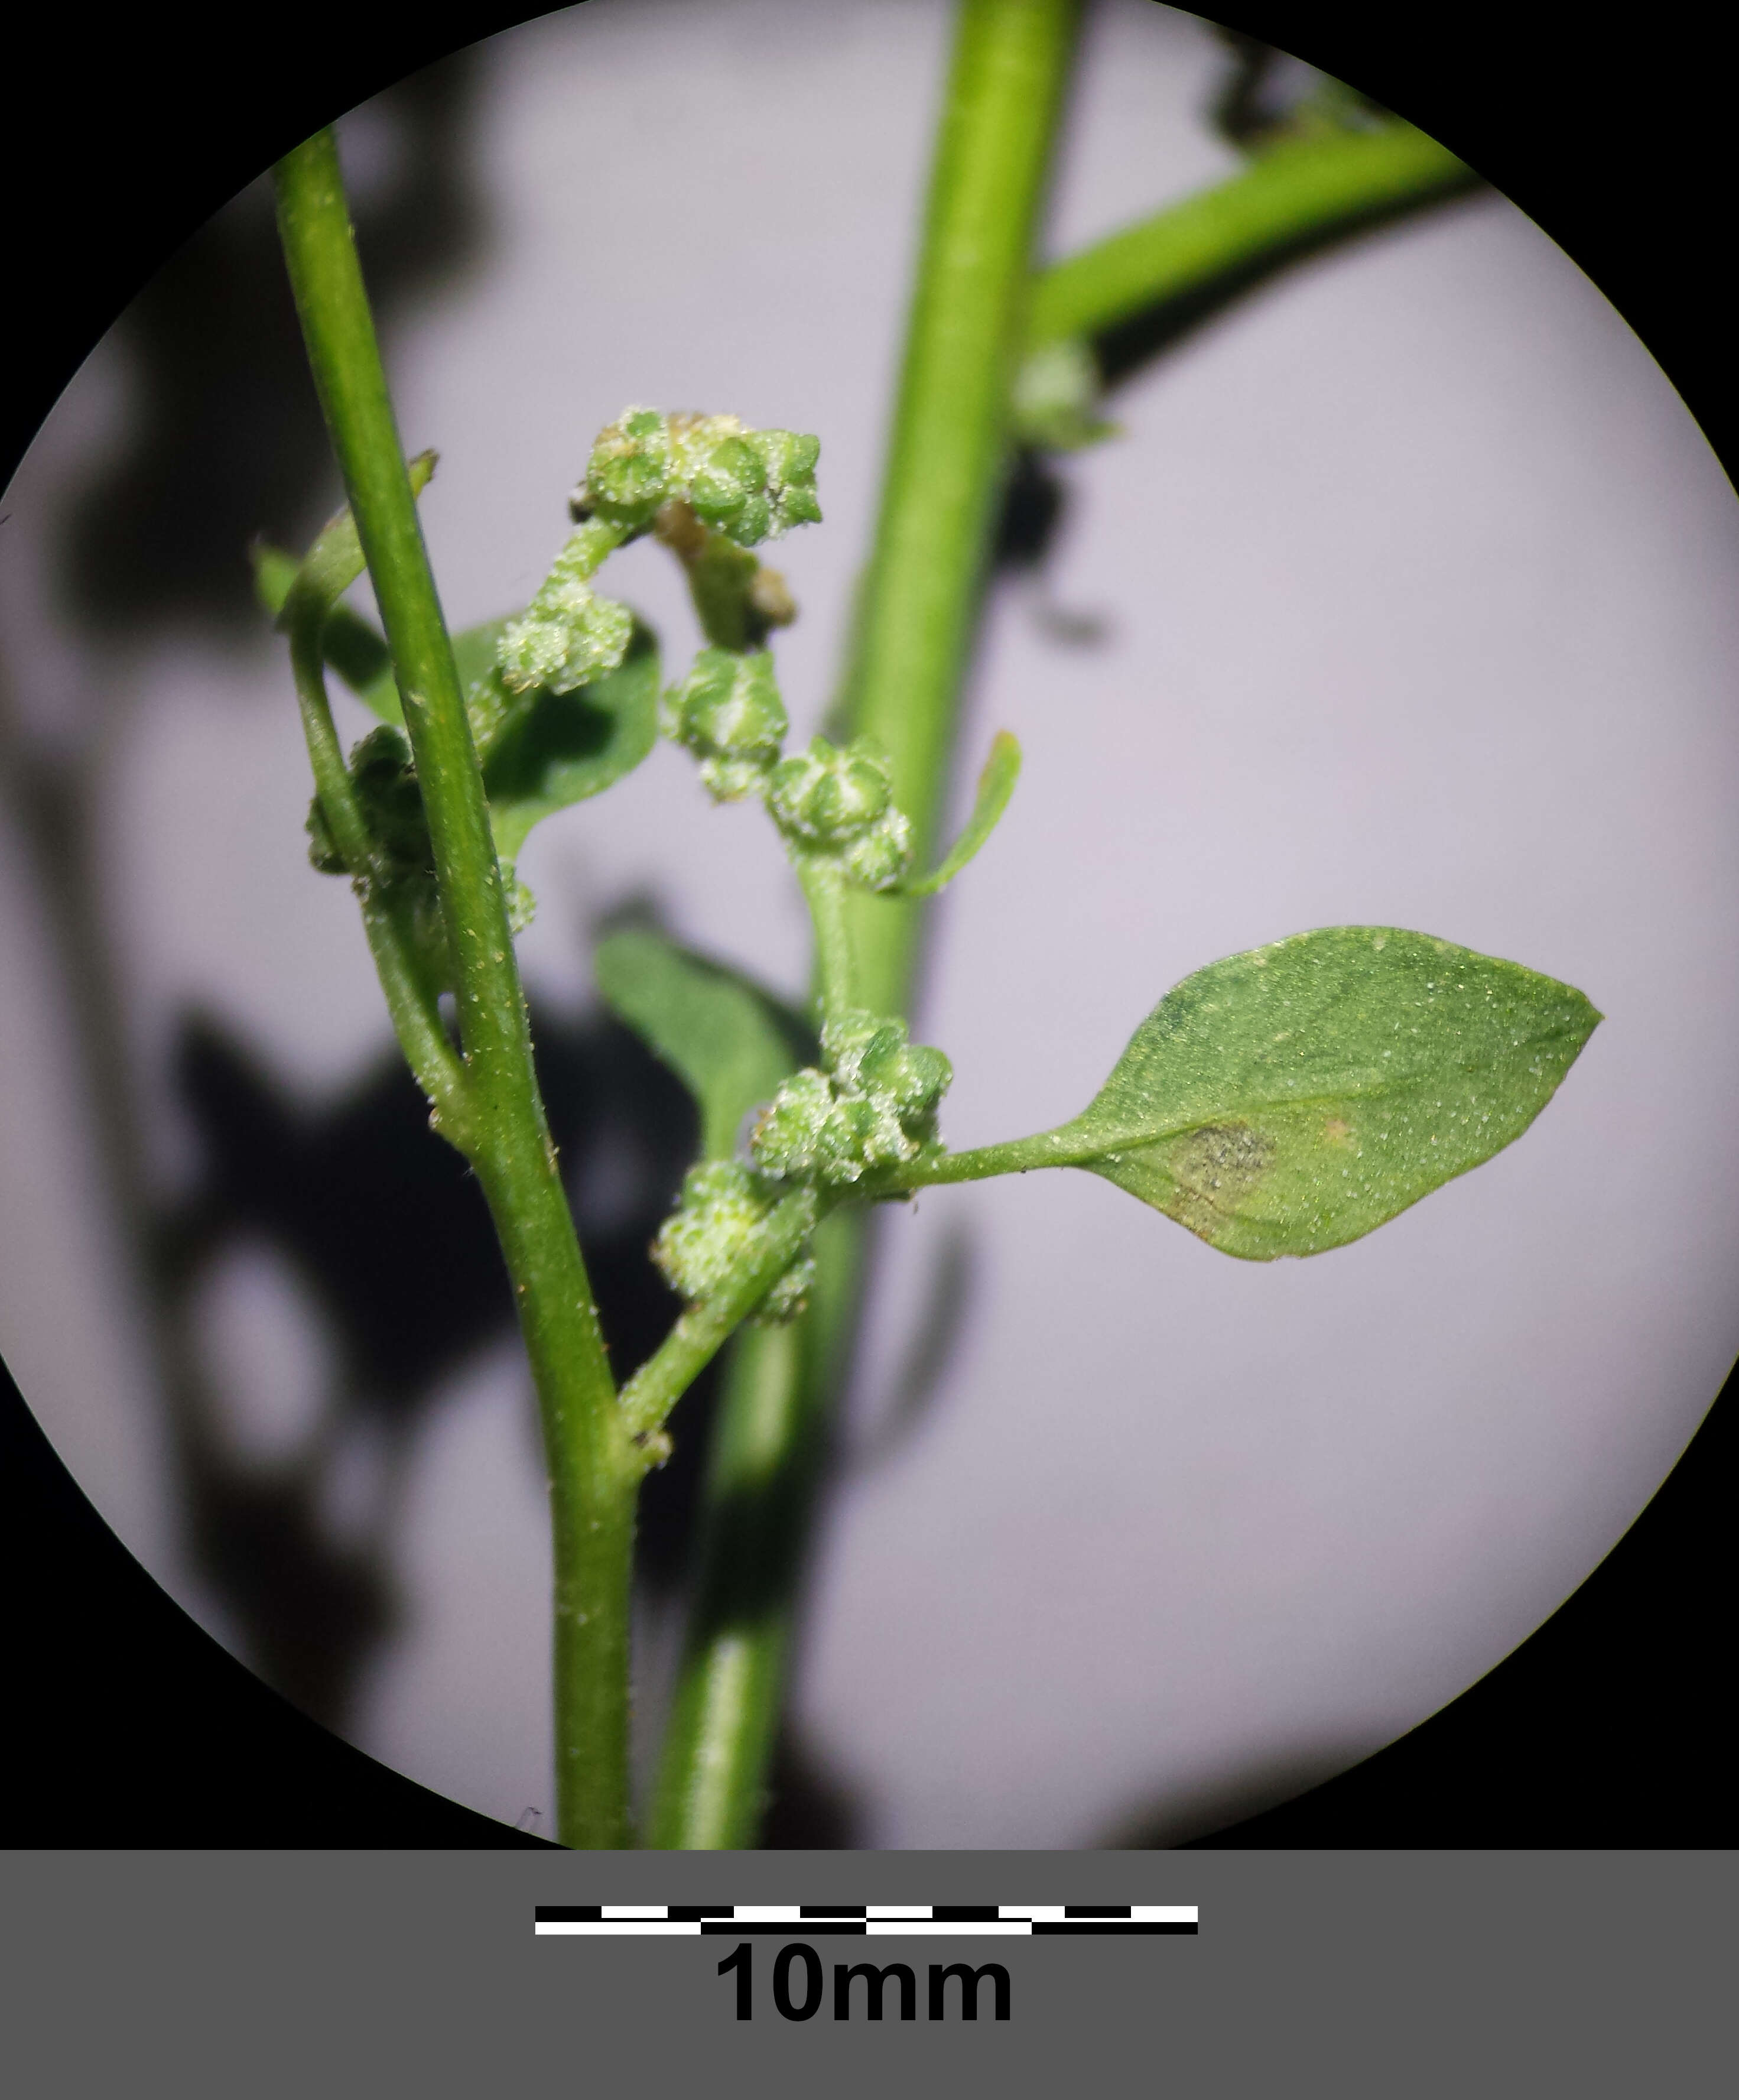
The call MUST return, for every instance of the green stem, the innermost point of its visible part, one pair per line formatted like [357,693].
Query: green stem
[947,460]
[719,1741]
[767,1452]
[1304,191]
[1016,1155]
[737,602]
[593,1466]
[415,1013]
[950,451]
[824,887]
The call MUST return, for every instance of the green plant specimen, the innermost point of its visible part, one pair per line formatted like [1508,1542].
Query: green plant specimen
[1280,1102]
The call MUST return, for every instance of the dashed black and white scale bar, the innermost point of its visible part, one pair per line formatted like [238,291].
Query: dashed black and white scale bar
[871,1921]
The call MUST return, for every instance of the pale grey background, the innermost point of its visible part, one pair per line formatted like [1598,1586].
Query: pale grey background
[1416,586]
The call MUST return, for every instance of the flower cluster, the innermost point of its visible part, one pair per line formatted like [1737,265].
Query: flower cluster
[874,1105]
[568,634]
[840,802]
[727,712]
[750,485]
[714,1231]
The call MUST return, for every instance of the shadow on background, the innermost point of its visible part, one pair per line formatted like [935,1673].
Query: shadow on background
[222,436]
[386,1230]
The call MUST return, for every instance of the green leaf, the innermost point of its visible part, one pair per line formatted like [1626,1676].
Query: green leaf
[730,1043]
[995,784]
[1292,1099]
[560,748]
[352,648]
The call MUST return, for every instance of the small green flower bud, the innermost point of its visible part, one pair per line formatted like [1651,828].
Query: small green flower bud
[486,711]
[522,906]
[878,857]
[794,1132]
[850,1037]
[726,489]
[912,1077]
[819,1131]
[789,1296]
[750,485]
[391,802]
[629,475]
[826,796]
[729,707]
[568,636]
[788,462]
[705,1239]
[714,1231]
[694,439]
[868,1055]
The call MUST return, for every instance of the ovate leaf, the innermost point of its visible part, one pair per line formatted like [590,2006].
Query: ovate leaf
[730,1043]
[1292,1099]
[561,747]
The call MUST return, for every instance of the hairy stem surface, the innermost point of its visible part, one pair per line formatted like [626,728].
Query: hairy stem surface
[593,1466]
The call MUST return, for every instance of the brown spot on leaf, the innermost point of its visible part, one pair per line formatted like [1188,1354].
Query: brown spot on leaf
[1216,1170]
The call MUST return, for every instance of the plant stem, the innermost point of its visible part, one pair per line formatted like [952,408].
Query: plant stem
[1303,191]
[946,464]
[415,1013]
[950,451]
[593,1466]
[720,1738]
[1017,1155]
[767,1452]
[824,886]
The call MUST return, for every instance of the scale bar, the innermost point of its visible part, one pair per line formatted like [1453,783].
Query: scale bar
[862,1921]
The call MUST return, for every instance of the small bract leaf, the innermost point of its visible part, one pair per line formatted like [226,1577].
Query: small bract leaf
[561,747]
[1293,1098]
[995,784]
[730,1043]
[351,645]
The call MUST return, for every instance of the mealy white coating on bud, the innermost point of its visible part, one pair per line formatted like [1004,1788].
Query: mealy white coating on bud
[827,796]
[750,485]
[715,1229]
[522,906]
[879,857]
[629,475]
[874,1106]
[728,711]
[568,634]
